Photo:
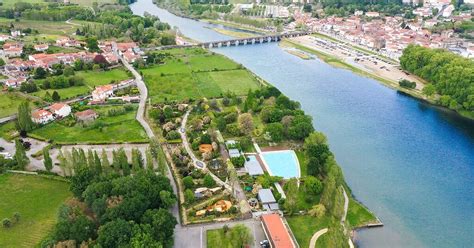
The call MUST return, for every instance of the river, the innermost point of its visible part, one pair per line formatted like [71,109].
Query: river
[409,162]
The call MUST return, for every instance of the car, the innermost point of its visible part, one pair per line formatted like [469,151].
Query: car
[265,244]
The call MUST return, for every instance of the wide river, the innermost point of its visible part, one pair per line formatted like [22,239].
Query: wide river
[410,163]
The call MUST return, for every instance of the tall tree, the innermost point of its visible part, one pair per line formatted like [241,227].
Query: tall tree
[149,160]
[137,159]
[47,161]
[90,159]
[25,123]
[20,155]
[97,163]
[55,97]
[105,160]
[246,123]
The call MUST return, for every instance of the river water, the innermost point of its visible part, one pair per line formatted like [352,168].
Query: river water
[409,162]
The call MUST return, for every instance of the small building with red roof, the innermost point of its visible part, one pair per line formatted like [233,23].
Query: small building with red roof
[41,116]
[277,233]
[60,109]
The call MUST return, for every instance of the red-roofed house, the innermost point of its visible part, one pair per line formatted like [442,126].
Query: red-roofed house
[14,82]
[86,115]
[12,49]
[276,232]
[102,92]
[60,109]
[41,116]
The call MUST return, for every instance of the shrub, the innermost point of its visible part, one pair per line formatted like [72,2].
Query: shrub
[6,223]
[172,135]
[407,84]
[209,181]
[238,161]
[188,182]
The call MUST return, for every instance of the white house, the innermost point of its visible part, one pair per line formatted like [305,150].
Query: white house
[102,92]
[41,47]
[60,109]
[41,116]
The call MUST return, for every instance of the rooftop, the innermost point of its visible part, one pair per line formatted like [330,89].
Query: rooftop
[276,231]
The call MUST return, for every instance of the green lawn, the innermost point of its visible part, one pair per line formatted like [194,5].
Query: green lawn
[9,102]
[196,73]
[37,199]
[304,226]
[302,161]
[115,129]
[358,215]
[7,130]
[11,3]
[92,79]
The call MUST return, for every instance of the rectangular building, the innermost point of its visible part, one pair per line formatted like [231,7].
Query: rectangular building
[278,235]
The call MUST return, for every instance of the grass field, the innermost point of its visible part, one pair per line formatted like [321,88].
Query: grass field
[194,73]
[37,200]
[304,226]
[9,103]
[92,79]
[217,238]
[358,215]
[112,129]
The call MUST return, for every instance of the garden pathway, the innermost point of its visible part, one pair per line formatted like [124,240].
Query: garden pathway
[315,237]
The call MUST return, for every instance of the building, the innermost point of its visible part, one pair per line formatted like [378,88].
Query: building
[276,232]
[86,115]
[372,14]
[103,92]
[41,47]
[13,49]
[253,167]
[14,82]
[268,201]
[234,153]
[4,37]
[67,42]
[60,109]
[41,116]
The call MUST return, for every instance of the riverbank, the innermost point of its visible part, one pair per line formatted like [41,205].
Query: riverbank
[235,25]
[236,34]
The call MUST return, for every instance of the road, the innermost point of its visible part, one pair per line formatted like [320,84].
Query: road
[143,95]
[198,163]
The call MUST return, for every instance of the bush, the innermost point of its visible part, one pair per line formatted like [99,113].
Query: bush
[6,223]
[233,129]
[407,84]
[172,135]
[238,161]
[209,181]
[188,182]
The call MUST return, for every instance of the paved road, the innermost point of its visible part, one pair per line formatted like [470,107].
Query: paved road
[143,96]
[315,237]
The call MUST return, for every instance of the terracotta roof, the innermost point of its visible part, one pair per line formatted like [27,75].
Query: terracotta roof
[276,231]
[104,88]
[38,114]
[57,106]
[86,113]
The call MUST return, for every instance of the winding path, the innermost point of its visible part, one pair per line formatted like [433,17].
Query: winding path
[315,237]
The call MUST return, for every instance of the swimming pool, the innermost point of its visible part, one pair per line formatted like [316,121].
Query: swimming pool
[282,163]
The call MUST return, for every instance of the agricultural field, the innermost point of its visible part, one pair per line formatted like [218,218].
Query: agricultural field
[19,193]
[91,80]
[195,73]
[9,103]
[122,128]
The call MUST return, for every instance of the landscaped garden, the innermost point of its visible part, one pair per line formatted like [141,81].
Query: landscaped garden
[36,200]
[116,124]
[193,74]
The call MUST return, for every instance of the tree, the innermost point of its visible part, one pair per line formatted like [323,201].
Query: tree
[92,44]
[429,89]
[40,73]
[115,233]
[209,181]
[142,237]
[73,225]
[105,160]
[189,196]
[240,236]
[312,187]
[48,162]
[328,192]
[167,199]
[16,217]
[97,163]
[246,123]
[2,62]
[162,223]
[317,151]
[137,160]
[83,177]
[301,127]
[275,130]
[25,123]
[188,182]
[20,155]
[317,211]
[149,160]
[55,97]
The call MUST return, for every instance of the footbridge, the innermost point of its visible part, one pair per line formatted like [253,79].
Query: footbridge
[240,41]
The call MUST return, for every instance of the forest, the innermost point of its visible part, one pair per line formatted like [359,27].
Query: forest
[449,75]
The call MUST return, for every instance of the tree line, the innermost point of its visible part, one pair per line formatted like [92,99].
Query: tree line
[449,75]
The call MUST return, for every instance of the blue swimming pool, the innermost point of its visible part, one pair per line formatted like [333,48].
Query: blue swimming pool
[282,163]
